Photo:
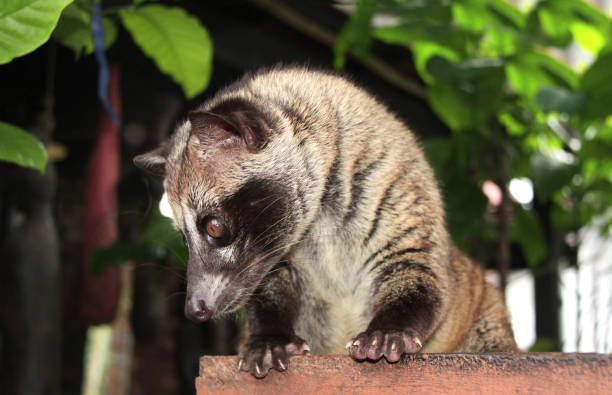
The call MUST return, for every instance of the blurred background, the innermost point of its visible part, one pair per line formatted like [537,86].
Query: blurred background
[511,100]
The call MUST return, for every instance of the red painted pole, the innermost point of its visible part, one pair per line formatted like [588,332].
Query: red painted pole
[100,292]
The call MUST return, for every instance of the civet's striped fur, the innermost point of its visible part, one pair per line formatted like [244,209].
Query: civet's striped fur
[338,231]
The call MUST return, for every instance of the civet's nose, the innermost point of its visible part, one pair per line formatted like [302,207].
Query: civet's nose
[197,310]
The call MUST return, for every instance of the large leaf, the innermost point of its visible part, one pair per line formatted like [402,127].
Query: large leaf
[20,147]
[176,41]
[26,25]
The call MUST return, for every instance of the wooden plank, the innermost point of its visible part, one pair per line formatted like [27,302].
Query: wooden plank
[540,373]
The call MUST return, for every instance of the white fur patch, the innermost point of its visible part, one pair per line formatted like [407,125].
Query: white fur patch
[164,206]
[228,253]
[190,223]
[211,286]
[332,275]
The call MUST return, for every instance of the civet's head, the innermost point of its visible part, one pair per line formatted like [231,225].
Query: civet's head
[228,176]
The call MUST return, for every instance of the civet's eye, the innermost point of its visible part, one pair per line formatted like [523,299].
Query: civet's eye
[216,231]
[216,228]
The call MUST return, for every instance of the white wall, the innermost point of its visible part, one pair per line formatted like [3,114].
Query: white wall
[588,329]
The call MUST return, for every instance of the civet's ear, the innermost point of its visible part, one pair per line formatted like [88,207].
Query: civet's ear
[154,161]
[232,123]
[213,128]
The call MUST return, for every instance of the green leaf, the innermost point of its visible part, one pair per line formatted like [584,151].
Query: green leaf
[499,25]
[507,14]
[74,30]
[529,71]
[527,232]
[473,69]
[176,41]
[425,50]
[162,239]
[555,99]
[470,16]
[448,36]
[500,42]
[555,26]
[110,35]
[596,85]
[470,103]
[20,147]
[118,253]
[598,74]
[513,126]
[158,240]
[556,20]
[355,35]
[430,11]
[588,37]
[477,15]
[85,5]
[26,25]
[450,105]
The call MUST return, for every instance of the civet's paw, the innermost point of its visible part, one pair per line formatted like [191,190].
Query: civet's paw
[262,353]
[391,344]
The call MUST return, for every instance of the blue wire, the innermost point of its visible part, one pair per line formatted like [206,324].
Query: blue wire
[97,31]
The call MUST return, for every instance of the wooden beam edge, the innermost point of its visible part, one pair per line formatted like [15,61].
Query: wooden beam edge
[432,373]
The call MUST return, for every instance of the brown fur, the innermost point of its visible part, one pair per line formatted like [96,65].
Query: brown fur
[337,224]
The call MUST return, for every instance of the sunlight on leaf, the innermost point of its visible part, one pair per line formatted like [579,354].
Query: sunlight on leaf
[26,24]
[176,41]
[588,37]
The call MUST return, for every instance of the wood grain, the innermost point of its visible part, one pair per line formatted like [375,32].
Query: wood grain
[423,373]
